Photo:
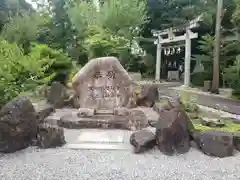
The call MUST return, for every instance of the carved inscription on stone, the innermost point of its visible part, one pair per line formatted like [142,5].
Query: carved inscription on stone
[111,75]
[101,92]
[100,74]
[103,84]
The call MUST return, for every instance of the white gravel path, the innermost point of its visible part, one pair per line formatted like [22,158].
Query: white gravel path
[65,164]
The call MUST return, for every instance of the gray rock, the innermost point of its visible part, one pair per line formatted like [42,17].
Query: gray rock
[50,136]
[57,95]
[72,101]
[142,140]
[137,119]
[43,111]
[72,121]
[121,111]
[193,144]
[215,143]
[236,140]
[18,125]
[173,131]
[148,96]
[157,107]
[86,112]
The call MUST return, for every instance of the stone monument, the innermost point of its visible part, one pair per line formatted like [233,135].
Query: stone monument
[106,98]
[103,84]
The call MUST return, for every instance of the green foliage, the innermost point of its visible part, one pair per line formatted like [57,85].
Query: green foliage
[229,126]
[119,17]
[110,29]
[122,17]
[23,29]
[9,9]
[198,78]
[20,72]
[63,33]
[206,47]
[236,14]
[75,68]
[228,52]
[232,75]
[82,15]
[61,64]
[100,43]
[61,61]
[149,64]
[189,102]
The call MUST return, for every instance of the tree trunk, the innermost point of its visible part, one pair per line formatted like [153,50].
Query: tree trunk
[215,80]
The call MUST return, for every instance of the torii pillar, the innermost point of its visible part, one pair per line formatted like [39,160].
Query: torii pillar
[158,59]
[187,62]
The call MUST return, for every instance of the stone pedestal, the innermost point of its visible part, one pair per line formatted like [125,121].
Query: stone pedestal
[173,75]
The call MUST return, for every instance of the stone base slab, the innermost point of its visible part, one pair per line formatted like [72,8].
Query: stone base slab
[99,121]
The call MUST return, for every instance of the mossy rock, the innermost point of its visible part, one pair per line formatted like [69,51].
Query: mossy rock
[230,126]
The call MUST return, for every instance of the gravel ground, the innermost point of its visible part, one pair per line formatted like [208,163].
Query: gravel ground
[64,164]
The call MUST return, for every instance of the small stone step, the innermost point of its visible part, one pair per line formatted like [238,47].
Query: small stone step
[99,146]
[72,121]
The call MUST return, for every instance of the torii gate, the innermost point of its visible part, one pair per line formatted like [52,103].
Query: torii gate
[172,38]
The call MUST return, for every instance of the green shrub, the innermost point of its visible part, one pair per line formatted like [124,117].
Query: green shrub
[61,66]
[21,73]
[197,79]
[232,76]
[189,102]
[76,67]
[100,43]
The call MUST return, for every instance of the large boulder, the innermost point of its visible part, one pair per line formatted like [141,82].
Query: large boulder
[50,136]
[173,131]
[18,125]
[136,119]
[170,104]
[215,143]
[236,140]
[142,140]
[43,111]
[148,97]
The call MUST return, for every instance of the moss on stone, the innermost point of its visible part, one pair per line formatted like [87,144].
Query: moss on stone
[229,126]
